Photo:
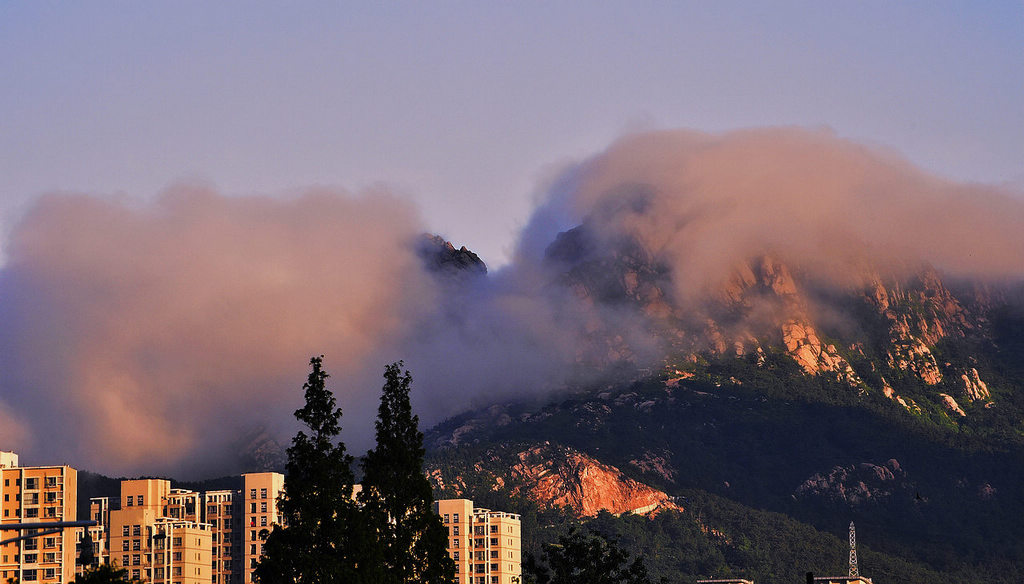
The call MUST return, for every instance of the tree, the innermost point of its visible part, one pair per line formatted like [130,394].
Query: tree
[315,545]
[585,558]
[86,555]
[103,574]
[411,541]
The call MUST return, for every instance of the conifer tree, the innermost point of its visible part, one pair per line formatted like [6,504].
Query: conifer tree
[315,545]
[398,499]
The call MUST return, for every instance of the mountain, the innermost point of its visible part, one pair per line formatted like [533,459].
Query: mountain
[789,400]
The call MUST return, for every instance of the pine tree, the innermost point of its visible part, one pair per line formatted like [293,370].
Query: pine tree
[398,499]
[315,545]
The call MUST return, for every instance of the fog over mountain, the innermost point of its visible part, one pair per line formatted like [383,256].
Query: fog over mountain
[142,336]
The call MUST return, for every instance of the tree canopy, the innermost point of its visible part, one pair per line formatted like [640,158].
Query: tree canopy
[316,545]
[397,497]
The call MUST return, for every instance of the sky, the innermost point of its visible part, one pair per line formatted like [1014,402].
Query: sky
[469,109]
[196,197]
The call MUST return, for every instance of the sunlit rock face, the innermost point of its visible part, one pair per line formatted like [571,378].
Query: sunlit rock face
[866,330]
[559,476]
[555,477]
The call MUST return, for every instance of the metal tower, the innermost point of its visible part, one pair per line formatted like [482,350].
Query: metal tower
[853,552]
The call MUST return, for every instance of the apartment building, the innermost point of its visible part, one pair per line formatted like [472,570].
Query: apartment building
[261,490]
[37,494]
[152,544]
[177,536]
[486,545]
[223,512]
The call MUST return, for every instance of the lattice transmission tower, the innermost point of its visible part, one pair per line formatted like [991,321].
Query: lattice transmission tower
[853,552]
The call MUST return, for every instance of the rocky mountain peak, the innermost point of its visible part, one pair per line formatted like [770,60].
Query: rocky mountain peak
[441,257]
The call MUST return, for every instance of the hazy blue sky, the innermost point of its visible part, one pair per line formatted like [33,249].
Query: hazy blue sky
[467,106]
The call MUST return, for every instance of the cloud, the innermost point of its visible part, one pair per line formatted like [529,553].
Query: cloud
[703,203]
[148,336]
[137,335]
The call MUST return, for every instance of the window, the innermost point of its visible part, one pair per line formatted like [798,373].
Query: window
[126,560]
[263,493]
[176,542]
[263,521]
[131,501]
[252,535]
[446,518]
[50,542]
[51,511]
[252,493]
[140,500]
[51,482]
[136,559]
[252,562]
[135,574]
[252,549]
[136,545]
[263,507]
[125,545]
[136,530]
[211,509]
[494,541]
[455,530]
[456,517]
[176,556]
[29,575]
[51,497]
[31,484]
[31,558]
[125,530]
[33,512]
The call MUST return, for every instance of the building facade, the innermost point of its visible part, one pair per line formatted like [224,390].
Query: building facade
[152,536]
[486,545]
[177,536]
[37,494]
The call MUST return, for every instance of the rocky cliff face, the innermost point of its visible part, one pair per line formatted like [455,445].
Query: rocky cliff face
[562,476]
[872,332]
[558,476]
[441,257]
[860,484]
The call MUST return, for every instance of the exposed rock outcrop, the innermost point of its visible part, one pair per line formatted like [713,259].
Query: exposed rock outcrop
[442,258]
[857,484]
[561,476]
